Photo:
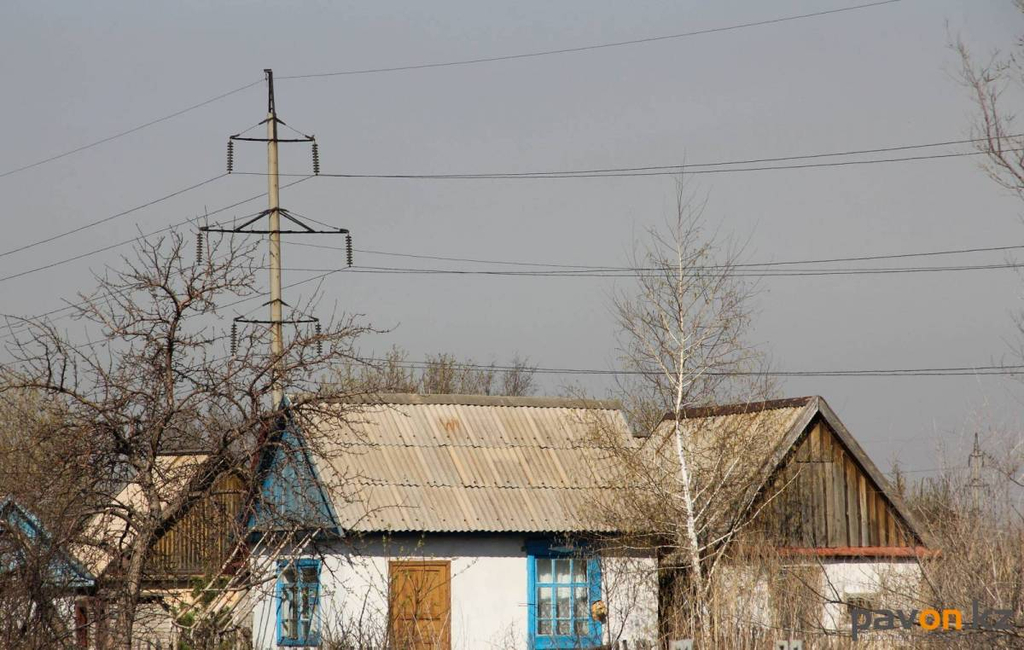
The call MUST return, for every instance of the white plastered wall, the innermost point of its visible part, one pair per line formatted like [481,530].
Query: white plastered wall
[630,589]
[746,597]
[884,583]
[488,591]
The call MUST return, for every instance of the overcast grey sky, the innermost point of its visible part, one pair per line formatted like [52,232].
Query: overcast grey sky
[75,72]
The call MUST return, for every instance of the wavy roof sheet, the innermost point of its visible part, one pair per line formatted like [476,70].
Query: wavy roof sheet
[451,463]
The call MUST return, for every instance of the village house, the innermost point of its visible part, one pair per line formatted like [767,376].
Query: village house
[448,522]
[440,517]
[190,570]
[831,517]
[38,580]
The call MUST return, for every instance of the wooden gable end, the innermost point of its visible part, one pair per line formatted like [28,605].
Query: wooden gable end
[202,541]
[821,497]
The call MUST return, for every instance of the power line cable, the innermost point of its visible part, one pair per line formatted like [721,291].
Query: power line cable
[933,469]
[636,172]
[752,161]
[954,251]
[92,224]
[947,371]
[140,237]
[121,134]
[462,62]
[631,271]
[861,258]
[587,48]
[875,372]
[678,168]
[626,272]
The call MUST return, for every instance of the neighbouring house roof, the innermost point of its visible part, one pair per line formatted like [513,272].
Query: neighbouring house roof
[204,532]
[758,438]
[24,529]
[108,532]
[460,463]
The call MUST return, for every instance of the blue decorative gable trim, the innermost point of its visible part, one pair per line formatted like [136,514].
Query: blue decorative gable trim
[64,571]
[290,494]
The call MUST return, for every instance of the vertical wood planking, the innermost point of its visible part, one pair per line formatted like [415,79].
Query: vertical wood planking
[872,517]
[201,540]
[825,485]
[862,510]
[803,494]
[852,502]
[824,499]
[881,516]
[840,500]
[816,489]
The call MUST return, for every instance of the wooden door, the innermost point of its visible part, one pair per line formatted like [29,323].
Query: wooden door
[420,605]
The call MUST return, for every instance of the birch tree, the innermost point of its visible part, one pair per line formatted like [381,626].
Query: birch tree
[683,326]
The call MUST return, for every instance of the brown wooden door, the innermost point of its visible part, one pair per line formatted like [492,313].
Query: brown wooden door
[420,605]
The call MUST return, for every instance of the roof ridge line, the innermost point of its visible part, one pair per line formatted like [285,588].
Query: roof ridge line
[742,407]
[482,400]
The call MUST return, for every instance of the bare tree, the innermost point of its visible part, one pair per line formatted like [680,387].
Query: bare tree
[37,581]
[978,524]
[683,344]
[993,83]
[156,375]
[976,520]
[440,374]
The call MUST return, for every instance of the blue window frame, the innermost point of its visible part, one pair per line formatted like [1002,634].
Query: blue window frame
[562,584]
[298,599]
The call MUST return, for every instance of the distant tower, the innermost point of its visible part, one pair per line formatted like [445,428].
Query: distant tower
[974,463]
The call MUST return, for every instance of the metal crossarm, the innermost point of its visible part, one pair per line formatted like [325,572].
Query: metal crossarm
[306,229]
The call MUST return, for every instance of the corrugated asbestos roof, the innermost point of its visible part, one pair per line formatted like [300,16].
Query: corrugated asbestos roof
[467,463]
[748,433]
[728,448]
[747,442]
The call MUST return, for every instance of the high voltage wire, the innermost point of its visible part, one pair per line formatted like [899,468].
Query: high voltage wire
[876,372]
[947,371]
[751,269]
[639,172]
[550,174]
[140,237]
[25,322]
[585,173]
[121,134]
[92,224]
[566,174]
[695,167]
[462,62]
[827,260]
[633,270]
[626,272]
[587,48]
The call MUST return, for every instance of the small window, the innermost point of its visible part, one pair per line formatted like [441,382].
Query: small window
[298,596]
[865,601]
[563,586]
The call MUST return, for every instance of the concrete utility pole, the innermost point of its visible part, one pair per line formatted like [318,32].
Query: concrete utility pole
[297,226]
[274,212]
